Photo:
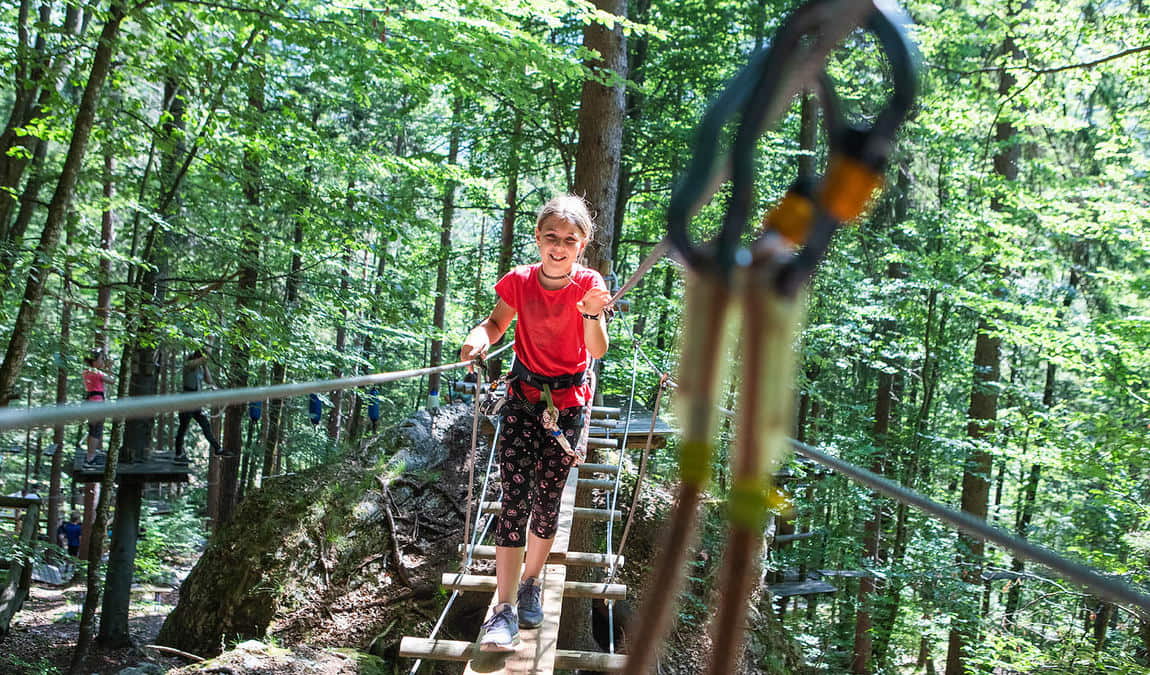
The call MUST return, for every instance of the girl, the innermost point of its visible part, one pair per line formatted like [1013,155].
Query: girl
[560,306]
[95,389]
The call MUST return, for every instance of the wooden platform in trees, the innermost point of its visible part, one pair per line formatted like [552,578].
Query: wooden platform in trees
[809,587]
[159,469]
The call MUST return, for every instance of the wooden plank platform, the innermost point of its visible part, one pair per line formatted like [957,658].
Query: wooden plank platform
[159,469]
[597,484]
[580,512]
[458,650]
[789,588]
[537,651]
[570,558]
[570,589]
[585,468]
[537,648]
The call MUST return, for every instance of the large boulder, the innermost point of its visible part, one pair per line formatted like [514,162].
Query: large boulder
[308,556]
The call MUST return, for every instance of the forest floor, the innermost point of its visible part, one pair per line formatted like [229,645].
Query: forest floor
[44,634]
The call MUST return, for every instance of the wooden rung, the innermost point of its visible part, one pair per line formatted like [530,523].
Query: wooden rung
[570,558]
[581,513]
[569,659]
[458,650]
[602,442]
[571,589]
[597,483]
[600,515]
[598,468]
[598,412]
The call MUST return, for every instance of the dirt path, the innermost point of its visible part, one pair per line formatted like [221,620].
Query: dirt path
[45,630]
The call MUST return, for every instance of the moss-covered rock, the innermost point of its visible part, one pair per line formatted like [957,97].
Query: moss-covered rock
[306,557]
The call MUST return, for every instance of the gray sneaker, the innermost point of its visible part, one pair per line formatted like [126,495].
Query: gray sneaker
[530,604]
[501,632]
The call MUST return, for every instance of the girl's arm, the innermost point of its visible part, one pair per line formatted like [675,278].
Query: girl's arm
[595,330]
[488,332]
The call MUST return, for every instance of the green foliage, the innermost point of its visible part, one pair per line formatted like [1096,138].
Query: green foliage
[349,145]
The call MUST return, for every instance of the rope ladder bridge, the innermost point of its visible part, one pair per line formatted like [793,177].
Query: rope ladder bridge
[766,281]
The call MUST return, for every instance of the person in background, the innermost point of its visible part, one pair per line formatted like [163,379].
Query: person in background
[95,391]
[195,376]
[68,534]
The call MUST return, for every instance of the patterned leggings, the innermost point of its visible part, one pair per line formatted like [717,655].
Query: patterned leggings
[533,468]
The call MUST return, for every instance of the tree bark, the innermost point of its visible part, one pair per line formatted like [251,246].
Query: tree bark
[291,300]
[42,262]
[58,440]
[601,111]
[248,273]
[507,234]
[436,357]
[983,402]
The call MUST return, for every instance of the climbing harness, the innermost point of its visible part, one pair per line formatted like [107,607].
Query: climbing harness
[766,282]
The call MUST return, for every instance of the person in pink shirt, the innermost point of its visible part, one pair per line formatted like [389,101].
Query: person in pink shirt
[559,304]
[95,389]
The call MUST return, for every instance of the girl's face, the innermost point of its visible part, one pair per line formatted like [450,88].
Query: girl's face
[560,242]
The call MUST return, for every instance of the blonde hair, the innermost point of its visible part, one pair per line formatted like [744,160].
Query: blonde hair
[572,208]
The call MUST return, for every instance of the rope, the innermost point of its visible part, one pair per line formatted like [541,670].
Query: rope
[145,406]
[1108,588]
[645,266]
[639,479]
[471,464]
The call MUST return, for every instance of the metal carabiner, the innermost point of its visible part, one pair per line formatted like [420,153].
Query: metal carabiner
[766,279]
[757,96]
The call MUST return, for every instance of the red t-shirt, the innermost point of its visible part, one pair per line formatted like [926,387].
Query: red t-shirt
[549,336]
[93,381]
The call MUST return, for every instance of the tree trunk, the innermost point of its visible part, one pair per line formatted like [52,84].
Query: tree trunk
[597,180]
[42,262]
[114,632]
[58,440]
[335,418]
[291,299]
[601,111]
[636,59]
[976,484]
[248,273]
[436,357]
[507,234]
[983,396]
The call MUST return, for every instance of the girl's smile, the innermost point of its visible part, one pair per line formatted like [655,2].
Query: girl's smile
[560,243]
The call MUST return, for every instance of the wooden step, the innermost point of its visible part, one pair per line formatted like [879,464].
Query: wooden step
[597,483]
[600,442]
[570,558]
[585,468]
[581,513]
[458,650]
[571,589]
[600,412]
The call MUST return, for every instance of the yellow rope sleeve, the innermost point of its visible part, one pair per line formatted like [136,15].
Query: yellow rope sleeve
[695,462]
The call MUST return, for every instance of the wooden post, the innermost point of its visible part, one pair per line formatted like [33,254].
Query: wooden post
[19,574]
[121,564]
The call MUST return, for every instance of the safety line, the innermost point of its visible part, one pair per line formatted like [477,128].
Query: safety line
[134,407]
[661,249]
[1107,587]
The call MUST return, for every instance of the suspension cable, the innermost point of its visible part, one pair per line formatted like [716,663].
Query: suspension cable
[134,407]
[1109,588]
